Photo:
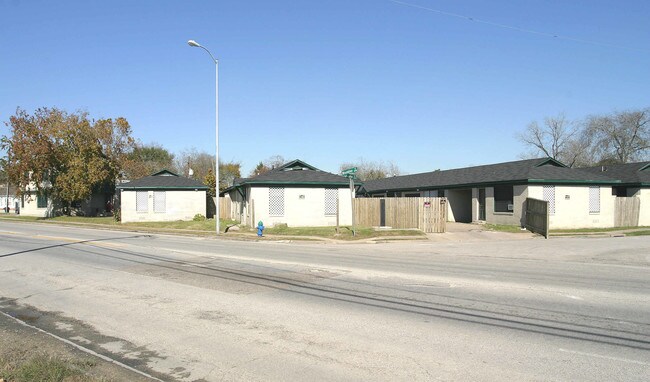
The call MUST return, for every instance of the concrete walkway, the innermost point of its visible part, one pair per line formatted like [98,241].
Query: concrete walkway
[467,232]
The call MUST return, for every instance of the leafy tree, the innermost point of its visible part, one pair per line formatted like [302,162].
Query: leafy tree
[208,180]
[370,170]
[67,155]
[145,160]
[228,171]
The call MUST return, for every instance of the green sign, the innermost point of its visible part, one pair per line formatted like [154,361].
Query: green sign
[349,171]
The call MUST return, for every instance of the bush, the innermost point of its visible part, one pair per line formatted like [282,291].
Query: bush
[117,216]
[198,218]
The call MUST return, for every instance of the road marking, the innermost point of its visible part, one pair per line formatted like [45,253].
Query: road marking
[605,357]
[83,349]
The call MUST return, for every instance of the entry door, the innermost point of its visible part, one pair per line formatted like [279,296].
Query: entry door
[481,204]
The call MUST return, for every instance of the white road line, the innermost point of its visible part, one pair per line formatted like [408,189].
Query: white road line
[605,357]
[83,349]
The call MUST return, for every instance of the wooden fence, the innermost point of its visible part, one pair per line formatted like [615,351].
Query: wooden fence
[426,214]
[626,212]
[536,219]
[224,208]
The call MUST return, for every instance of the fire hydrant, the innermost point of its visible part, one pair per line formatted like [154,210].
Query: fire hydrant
[260,228]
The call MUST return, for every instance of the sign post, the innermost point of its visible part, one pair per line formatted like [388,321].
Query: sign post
[350,173]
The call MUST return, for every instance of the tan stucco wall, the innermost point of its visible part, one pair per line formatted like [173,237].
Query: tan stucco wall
[180,205]
[459,205]
[519,193]
[300,212]
[572,207]
[644,213]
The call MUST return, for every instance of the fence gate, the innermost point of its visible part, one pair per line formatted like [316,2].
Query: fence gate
[536,219]
[626,212]
[426,214]
[433,215]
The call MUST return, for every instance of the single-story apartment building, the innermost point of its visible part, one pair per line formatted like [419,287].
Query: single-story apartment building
[634,183]
[163,196]
[296,193]
[496,193]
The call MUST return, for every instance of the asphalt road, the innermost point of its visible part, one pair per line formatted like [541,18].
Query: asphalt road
[189,309]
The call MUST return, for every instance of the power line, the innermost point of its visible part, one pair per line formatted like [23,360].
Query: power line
[514,28]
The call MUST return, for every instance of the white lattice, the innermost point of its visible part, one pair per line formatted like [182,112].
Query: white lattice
[142,201]
[159,201]
[276,201]
[594,200]
[331,200]
[549,195]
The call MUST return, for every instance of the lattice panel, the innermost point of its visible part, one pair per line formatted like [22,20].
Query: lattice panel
[594,200]
[549,196]
[331,198]
[276,201]
[159,201]
[142,201]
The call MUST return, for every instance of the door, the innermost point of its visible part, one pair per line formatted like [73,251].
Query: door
[481,204]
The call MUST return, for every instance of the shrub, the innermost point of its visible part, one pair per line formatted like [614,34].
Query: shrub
[198,218]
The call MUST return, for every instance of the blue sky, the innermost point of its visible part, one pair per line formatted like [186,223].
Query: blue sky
[328,81]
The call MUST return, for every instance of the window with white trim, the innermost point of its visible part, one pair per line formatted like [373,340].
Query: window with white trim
[331,201]
[276,201]
[142,201]
[594,200]
[548,194]
[159,201]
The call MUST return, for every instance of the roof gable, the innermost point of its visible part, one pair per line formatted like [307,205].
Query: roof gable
[551,162]
[296,173]
[297,164]
[164,172]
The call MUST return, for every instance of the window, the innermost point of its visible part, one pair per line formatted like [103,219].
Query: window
[503,199]
[142,201]
[41,200]
[276,201]
[411,194]
[594,200]
[331,200]
[159,201]
[548,194]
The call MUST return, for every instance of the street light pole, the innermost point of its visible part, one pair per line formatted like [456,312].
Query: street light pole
[195,44]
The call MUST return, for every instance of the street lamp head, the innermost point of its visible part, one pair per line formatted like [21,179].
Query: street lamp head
[193,43]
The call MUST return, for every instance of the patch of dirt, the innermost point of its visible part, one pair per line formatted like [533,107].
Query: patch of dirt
[19,344]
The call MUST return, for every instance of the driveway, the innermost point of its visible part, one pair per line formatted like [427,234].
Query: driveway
[466,232]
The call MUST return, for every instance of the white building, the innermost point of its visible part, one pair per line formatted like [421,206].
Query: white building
[296,194]
[163,196]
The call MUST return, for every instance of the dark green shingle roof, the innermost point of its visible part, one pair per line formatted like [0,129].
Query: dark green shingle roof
[295,172]
[629,173]
[541,170]
[166,180]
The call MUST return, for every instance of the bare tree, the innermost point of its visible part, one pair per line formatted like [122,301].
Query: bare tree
[268,164]
[558,138]
[621,137]
[199,162]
